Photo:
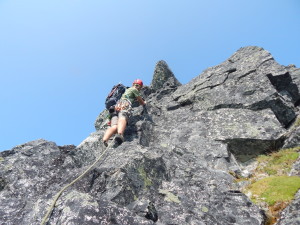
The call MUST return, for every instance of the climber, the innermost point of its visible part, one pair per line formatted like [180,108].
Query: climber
[122,112]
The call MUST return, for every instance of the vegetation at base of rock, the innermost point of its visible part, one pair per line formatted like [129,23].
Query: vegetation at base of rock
[1,159]
[277,163]
[270,186]
[275,189]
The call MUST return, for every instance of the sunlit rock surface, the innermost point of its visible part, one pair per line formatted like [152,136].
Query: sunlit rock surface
[176,163]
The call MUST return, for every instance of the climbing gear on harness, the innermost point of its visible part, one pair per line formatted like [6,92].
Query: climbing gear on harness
[73,182]
[138,81]
[123,104]
[109,123]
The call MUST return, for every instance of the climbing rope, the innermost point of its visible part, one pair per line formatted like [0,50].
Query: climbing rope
[73,182]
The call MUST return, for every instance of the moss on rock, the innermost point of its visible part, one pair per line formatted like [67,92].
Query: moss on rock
[274,189]
[169,197]
[143,174]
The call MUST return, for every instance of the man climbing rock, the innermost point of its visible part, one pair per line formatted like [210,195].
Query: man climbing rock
[123,111]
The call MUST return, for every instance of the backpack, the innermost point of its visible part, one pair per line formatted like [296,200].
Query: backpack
[114,95]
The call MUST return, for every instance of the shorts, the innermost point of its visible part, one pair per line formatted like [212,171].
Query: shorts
[122,114]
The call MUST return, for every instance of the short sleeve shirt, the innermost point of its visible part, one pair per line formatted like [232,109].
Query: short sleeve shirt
[131,94]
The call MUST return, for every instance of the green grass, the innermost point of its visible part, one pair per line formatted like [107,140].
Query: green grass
[278,163]
[270,182]
[275,189]
[270,186]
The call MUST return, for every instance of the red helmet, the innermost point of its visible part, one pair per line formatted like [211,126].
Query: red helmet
[138,81]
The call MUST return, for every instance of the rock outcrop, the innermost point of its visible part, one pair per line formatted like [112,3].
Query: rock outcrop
[291,214]
[176,164]
[163,77]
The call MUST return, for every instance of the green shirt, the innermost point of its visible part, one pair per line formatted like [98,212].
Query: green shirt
[131,94]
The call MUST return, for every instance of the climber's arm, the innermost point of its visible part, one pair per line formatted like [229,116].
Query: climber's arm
[141,100]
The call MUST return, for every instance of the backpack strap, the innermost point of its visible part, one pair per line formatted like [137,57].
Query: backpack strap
[112,91]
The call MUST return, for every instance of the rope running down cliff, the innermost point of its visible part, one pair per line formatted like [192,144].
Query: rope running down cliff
[73,182]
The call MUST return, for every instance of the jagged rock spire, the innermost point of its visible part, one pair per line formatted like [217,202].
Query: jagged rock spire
[163,76]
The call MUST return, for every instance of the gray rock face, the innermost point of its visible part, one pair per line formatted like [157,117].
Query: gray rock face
[249,79]
[291,214]
[30,175]
[163,77]
[293,139]
[175,165]
[295,76]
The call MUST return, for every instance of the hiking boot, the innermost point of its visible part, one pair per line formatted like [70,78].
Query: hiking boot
[119,138]
[105,143]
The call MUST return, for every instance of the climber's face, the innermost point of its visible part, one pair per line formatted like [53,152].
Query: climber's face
[137,86]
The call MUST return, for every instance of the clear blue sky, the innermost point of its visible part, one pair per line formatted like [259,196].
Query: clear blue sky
[60,58]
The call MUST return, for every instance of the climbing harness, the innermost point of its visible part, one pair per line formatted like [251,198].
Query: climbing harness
[123,104]
[73,182]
